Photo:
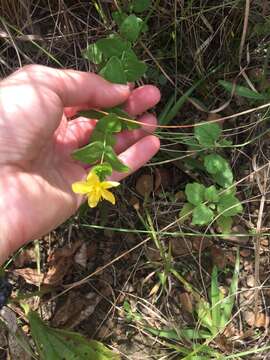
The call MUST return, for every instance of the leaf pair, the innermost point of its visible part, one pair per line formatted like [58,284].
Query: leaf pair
[205,203]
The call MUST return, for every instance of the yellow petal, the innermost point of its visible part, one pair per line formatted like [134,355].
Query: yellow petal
[93,199]
[80,187]
[92,178]
[109,184]
[107,195]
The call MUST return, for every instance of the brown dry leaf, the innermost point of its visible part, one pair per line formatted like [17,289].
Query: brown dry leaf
[31,276]
[81,257]
[66,251]
[200,244]
[262,319]
[145,185]
[57,271]
[186,302]
[181,246]
[162,178]
[218,257]
[26,256]
[75,309]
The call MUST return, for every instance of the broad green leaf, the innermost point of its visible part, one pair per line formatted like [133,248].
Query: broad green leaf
[93,54]
[56,344]
[90,153]
[207,134]
[185,212]
[139,6]
[195,193]
[215,302]
[214,163]
[243,91]
[225,224]
[106,138]
[228,302]
[112,46]
[134,69]
[211,194]
[229,205]
[119,17]
[113,71]
[202,215]
[103,170]
[109,123]
[131,27]
[124,116]
[92,114]
[112,159]
[219,168]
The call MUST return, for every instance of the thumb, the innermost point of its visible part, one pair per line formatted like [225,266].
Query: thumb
[76,88]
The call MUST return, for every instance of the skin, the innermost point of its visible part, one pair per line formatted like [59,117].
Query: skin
[36,142]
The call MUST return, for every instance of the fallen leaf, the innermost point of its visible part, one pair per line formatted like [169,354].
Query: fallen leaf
[251,281]
[186,302]
[218,257]
[75,309]
[262,319]
[181,246]
[31,276]
[145,185]
[81,257]
[200,244]
[57,271]
[66,251]
[162,178]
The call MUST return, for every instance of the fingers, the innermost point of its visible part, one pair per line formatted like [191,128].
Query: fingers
[126,138]
[137,155]
[141,99]
[74,87]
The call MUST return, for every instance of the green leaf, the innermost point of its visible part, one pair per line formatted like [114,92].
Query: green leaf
[211,194]
[204,313]
[126,125]
[134,69]
[195,193]
[93,53]
[229,205]
[90,153]
[131,27]
[112,46]
[103,137]
[225,224]
[140,6]
[202,215]
[243,91]
[185,212]
[103,170]
[228,302]
[215,302]
[207,134]
[219,168]
[56,344]
[119,17]
[113,71]
[112,159]
[91,114]
[109,123]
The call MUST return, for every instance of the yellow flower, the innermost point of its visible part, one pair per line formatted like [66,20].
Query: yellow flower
[95,189]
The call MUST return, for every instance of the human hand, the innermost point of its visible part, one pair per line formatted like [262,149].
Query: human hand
[36,142]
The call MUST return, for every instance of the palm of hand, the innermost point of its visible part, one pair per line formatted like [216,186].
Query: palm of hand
[36,142]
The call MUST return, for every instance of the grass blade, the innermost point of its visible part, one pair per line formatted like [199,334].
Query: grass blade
[242,91]
[215,300]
